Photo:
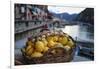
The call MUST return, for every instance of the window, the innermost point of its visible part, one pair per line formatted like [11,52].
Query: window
[26,24]
[50,25]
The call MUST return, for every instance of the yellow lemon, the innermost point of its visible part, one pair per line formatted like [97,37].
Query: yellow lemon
[70,43]
[29,52]
[51,44]
[28,48]
[44,41]
[67,47]
[55,38]
[39,46]
[36,54]
[60,39]
[45,49]
[49,38]
[58,44]
[63,40]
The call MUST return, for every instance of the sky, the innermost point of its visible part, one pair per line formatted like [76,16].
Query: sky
[70,10]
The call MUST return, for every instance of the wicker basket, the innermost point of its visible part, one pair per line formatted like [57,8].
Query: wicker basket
[48,57]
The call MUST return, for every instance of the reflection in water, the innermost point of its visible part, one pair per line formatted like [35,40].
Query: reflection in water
[71,30]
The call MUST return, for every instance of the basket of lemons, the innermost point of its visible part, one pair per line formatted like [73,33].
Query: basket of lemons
[49,48]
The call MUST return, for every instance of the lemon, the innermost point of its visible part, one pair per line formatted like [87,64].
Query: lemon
[63,40]
[67,47]
[28,48]
[36,54]
[45,49]
[58,44]
[51,43]
[44,41]
[29,52]
[55,38]
[49,38]
[70,43]
[39,46]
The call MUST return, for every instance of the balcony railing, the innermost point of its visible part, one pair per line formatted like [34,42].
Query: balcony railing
[31,26]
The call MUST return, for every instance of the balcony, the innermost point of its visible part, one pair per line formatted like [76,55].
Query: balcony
[31,25]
